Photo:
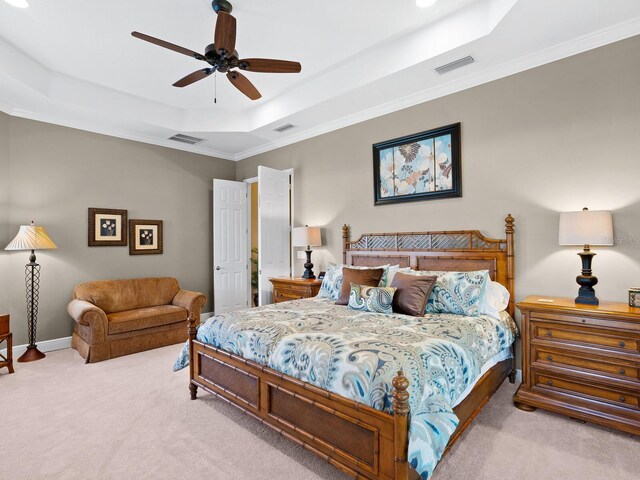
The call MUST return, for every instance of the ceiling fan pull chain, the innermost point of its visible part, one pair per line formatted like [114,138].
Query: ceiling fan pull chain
[215,87]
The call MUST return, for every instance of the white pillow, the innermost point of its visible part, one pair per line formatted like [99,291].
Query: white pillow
[495,299]
[393,269]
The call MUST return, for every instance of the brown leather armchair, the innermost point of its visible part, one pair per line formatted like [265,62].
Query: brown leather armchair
[119,317]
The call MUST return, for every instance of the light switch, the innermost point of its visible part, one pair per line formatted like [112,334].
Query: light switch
[302,255]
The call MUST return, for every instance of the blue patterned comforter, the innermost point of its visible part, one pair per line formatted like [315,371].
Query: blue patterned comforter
[357,354]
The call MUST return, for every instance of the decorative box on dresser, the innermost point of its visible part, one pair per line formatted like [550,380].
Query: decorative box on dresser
[581,360]
[294,288]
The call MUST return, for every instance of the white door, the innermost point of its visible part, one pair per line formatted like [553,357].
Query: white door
[274,230]
[230,237]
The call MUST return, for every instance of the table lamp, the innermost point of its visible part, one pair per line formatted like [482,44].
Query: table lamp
[32,237]
[587,227]
[307,237]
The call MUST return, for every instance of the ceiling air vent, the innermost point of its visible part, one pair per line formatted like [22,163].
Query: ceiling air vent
[283,128]
[461,62]
[186,139]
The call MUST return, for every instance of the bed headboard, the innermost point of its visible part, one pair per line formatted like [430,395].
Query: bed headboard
[461,251]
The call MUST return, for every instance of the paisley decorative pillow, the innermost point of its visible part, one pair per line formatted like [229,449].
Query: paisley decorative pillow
[457,292]
[371,299]
[332,282]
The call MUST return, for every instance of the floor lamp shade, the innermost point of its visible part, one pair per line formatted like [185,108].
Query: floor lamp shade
[587,228]
[307,237]
[32,237]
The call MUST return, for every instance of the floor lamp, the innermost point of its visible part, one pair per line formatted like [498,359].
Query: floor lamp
[32,237]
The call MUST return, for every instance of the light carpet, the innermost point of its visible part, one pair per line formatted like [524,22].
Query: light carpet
[131,418]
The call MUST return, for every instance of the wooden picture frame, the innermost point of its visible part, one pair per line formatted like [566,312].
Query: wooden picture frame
[146,237]
[107,227]
[423,166]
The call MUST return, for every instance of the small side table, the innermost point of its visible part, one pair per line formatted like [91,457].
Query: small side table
[5,334]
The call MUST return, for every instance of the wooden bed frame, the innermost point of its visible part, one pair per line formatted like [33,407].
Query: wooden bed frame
[359,440]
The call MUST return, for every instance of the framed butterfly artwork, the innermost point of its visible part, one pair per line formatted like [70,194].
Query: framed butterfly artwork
[423,166]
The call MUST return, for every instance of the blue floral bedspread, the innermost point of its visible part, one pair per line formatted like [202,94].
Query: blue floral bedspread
[356,354]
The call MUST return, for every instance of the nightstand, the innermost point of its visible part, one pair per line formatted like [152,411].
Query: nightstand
[294,288]
[581,360]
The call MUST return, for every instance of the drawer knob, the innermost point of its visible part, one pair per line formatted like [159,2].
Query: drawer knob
[549,334]
[583,320]
[621,344]
[549,357]
[622,372]
[622,399]
[550,383]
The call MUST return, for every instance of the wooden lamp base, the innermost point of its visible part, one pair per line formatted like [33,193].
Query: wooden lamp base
[31,355]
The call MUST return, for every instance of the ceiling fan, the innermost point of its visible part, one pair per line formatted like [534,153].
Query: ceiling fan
[223,57]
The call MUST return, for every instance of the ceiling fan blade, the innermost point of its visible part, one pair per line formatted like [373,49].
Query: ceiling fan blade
[170,46]
[225,36]
[243,84]
[268,65]
[194,77]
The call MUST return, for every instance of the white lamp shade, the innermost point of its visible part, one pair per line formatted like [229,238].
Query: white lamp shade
[303,236]
[587,227]
[31,237]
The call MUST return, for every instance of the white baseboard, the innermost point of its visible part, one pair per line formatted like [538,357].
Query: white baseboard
[204,316]
[44,346]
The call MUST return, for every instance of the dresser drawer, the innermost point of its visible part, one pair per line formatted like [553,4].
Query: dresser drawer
[286,295]
[549,356]
[568,385]
[584,335]
[292,288]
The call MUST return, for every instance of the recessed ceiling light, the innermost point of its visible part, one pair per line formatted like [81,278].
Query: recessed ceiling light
[18,3]
[425,3]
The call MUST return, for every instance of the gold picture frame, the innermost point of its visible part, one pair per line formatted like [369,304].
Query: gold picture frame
[107,227]
[146,237]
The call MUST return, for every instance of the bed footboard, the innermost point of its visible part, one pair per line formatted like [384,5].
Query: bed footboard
[359,440]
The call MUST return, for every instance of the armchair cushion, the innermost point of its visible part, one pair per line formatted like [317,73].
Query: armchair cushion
[141,318]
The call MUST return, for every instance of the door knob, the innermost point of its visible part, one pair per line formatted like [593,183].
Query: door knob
[218,268]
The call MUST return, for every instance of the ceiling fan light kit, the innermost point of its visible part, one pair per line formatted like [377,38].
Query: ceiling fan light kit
[223,57]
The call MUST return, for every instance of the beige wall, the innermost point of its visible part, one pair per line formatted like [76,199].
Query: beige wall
[5,185]
[58,172]
[556,138]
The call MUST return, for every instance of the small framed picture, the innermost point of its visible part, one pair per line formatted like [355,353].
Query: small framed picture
[107,227]
[146,237]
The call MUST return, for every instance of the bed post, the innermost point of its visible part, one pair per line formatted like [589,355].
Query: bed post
[192,329]
[509,230]
[345,239]
[400,425]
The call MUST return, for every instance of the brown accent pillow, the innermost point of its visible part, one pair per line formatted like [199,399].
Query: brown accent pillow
[369,277]
[412,293]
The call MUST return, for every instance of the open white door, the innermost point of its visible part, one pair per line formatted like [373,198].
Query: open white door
[274,229]
[230,237]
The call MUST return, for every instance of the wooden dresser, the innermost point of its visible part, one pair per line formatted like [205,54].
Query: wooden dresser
[581,360]
[294,288]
